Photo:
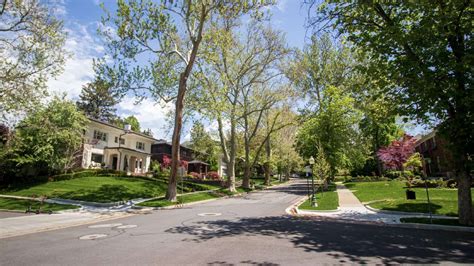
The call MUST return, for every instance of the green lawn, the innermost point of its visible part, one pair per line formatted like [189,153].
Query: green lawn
[181,199]
[102,189]
[22,205]
[390,195]
[193,197]
[326,201]
[421,220]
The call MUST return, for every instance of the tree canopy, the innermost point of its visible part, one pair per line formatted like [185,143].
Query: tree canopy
[31,51]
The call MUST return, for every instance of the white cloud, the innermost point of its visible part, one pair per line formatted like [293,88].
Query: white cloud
[281,5]
[83,47]
[149,113]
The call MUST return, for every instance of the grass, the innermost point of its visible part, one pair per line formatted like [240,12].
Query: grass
[390,195]
[162,202]
[22,205]
[326,201]
[101,189]
[181,199]
[422,220]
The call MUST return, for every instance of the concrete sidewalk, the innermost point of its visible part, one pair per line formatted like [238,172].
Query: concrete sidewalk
[22,225]
[350,208]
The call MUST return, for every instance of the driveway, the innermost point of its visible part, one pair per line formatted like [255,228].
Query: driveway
[246,230]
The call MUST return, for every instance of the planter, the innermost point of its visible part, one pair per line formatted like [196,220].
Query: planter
[411,195]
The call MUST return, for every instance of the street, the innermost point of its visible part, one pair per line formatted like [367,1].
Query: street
[252,229]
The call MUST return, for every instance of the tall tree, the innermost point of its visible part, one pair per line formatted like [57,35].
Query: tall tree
[49,139]
[202,142]
[426,50]
[333,127]
[97,100]
[237,74]
[31,51]
[169,34]
[133,122]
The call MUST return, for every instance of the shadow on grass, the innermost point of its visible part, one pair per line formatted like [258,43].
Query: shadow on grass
[109,193]
[347,243]
[413,207]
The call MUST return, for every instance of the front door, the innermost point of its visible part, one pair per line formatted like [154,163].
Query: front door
[114,162]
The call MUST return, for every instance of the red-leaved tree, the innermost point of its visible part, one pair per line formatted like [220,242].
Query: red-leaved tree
[397,153]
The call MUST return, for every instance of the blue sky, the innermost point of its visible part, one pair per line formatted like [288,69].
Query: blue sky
[81,19]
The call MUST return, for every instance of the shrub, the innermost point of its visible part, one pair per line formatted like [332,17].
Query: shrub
[213,176]
[400,174]
[431,183]
[195,175]
[367,178]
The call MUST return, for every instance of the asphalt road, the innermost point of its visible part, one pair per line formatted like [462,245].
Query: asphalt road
[246,230]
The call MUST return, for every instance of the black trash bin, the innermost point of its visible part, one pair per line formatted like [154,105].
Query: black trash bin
[411,195]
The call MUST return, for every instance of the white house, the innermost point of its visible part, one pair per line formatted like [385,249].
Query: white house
[116,148]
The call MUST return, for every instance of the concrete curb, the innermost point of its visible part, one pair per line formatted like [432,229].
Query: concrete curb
[417,214]
[434,227]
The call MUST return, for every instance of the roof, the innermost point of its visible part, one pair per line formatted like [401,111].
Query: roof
[114,126]
[127,149]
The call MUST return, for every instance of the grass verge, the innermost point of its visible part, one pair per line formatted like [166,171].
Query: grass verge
[422,220]
[101,189]
[326,201]
[390,196]
[22,205]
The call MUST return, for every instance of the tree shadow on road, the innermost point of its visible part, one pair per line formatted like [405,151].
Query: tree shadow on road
[345,242]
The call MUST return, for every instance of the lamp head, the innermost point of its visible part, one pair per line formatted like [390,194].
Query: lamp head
[311,160]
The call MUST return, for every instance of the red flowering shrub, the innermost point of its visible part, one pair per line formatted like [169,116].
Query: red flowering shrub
[184,164]
[195,175]
[166,162]
[213,176]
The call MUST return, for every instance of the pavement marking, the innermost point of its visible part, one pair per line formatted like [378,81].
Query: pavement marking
[92,237]
[105,225]
[127,226]
[210,214]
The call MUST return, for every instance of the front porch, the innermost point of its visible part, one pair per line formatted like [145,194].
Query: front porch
[124,159]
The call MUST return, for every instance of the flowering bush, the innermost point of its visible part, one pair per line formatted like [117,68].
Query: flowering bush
[166,162]
[195,175]
[213,176]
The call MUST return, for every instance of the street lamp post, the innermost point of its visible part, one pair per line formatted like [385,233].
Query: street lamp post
[313,198]
[126,129]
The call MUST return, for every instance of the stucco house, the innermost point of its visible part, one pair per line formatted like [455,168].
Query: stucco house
[116,148]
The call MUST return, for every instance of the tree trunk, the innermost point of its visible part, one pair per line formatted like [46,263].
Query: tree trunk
[178,123]
[233,150]
[466,216]
[268,150]
[246,178]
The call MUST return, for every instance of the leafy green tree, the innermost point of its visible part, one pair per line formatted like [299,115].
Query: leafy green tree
[97,100]
[133,122]
[31,51]
[426,49]
[243,88]
[202,142]
[169,34]
[49,139]
[333,127]
[321,167]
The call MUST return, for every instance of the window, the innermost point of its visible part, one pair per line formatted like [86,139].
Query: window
[100,135]
[140,146]
[97,158]
[434,142]
[122,140]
